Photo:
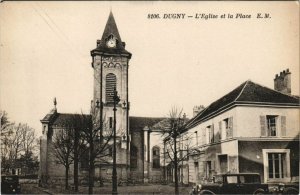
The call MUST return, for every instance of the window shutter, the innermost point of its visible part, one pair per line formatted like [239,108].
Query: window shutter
[283,125]
[220,130]
[263,126]
[213,165]
[230,124]
[204,168]
[212,134]
[203,136]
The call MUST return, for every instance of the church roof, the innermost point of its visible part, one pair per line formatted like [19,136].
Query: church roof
[247,93]
[138,123]
[60,119]
[111,29]
[135,123]
[50,116]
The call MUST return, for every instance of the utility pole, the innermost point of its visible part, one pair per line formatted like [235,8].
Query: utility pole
[114,173]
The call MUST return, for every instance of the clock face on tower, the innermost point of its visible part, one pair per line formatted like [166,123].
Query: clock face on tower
[111,42]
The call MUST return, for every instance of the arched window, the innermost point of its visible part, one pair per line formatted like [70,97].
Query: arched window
[111,83]
[156,157]
[133,156]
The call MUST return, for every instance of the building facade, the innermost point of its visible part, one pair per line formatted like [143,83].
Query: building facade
[110,62]
[251,129]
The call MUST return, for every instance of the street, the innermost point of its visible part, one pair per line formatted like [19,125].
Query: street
[141,189]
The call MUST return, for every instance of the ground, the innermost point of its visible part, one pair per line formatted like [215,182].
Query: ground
[31,189]
[138,189]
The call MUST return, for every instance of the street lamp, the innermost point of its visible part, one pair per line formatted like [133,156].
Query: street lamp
[114,173]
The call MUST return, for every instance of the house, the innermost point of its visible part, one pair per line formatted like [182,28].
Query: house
[251,129]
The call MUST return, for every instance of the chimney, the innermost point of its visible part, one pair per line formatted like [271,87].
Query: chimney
[282,82]
[197,109]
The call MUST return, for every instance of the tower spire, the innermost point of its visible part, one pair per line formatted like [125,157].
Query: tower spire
[111,29]
[111,32]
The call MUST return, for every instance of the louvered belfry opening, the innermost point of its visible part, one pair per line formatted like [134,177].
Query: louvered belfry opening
[111,83]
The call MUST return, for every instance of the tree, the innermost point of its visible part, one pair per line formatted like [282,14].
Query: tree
[29,161]
[172,128]
[63,147]
[6,132]
[97,137]
[29,138]
[75,125]
[16,140]
[78,134]
[4,122]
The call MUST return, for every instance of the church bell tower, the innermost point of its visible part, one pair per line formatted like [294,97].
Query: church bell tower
[110,63]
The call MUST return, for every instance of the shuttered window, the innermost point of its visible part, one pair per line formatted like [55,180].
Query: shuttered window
[203,136]
[273,125]
[209,169]
[220,130]
[230,124]
[283,126]
[229,127]
[212,132]
[263,126]
[111,82]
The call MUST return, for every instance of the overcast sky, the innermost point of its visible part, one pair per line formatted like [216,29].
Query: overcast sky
[45,53]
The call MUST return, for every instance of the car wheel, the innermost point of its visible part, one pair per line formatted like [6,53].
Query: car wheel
[259,191]
[207,192]
[290,191]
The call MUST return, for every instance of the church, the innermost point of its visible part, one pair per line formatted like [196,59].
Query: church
[136,156]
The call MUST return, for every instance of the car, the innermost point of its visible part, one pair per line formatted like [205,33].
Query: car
[10,184]
[238,183]
[285,188]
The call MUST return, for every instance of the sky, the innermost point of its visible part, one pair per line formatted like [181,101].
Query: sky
[45,53]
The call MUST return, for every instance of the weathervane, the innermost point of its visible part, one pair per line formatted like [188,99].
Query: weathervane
[55,102]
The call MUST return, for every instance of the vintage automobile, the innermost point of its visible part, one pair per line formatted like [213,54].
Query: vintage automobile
[239,183]
[285,188]
[10,184]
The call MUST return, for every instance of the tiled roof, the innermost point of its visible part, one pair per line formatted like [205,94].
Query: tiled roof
[247,93]
[50,116]
[135,123]
[138,123]
[256,93]
[62,118]
[111,28]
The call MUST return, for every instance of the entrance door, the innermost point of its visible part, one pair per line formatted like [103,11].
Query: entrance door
[223,163]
